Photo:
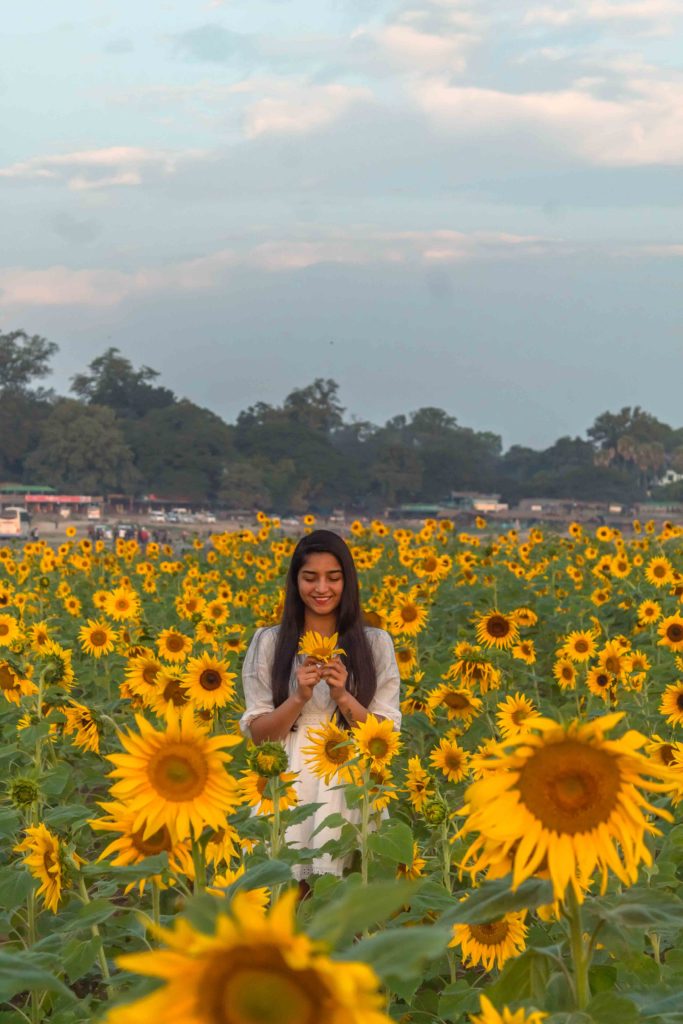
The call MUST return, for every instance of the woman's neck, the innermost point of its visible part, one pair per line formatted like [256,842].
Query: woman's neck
[326,625]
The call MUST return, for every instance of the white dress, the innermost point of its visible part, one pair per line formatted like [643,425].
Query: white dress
[258,694]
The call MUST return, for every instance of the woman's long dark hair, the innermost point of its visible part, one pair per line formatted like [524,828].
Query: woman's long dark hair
[362,682]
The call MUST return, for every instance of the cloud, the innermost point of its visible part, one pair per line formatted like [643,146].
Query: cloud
[290,107]
[213,44]
[660,15]
[643,126]
[114,166]
[65,286]
[411,49]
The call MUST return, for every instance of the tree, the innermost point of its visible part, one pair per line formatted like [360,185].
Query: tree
[243,485]
[113,382]
[316,406]
[81,449]
[23,359]
[181,450]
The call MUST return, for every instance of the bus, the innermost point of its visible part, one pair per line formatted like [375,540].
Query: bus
[14,522]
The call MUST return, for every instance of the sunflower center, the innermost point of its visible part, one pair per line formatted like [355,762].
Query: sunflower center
[570,786]
[98,638]
[666,753]
[453,760]
[659,571]
[174,643]
[430,564]
[4,629]
[567,672]
[156,843]
[491,934]
[409,613]
[456,701]
[150,673]
[498,626]
[178,772]
[238,990]
[613,664]
[8,680]
[519,715]
[679,700]
[581,646]
[378,747]
[210,679]
[336,751]
[175,693]
[602,679]
[674,632]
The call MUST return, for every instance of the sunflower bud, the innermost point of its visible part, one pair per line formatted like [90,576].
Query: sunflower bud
[435,811]
[269,759]
[23,792]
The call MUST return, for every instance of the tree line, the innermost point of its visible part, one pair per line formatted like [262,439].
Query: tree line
[119,431]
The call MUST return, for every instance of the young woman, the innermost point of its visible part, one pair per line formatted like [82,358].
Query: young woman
[287,694]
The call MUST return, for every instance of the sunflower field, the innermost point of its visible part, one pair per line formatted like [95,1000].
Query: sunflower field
[519,856]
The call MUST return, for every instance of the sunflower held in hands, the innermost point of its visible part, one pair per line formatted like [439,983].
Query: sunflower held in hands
[322,648]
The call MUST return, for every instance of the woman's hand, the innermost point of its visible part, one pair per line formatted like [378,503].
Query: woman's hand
[307,676]
[335,675]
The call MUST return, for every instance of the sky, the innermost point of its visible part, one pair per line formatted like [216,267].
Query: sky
[469,205]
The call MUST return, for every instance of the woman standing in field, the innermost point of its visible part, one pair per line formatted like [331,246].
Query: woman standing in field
[288,693]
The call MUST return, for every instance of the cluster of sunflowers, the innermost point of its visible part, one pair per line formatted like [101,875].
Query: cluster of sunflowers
[535,781]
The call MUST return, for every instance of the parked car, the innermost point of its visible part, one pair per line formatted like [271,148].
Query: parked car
[157,515]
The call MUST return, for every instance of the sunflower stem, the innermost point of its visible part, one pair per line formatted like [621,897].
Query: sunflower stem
[365,826]
[156,903]
[32,933]
[275,829]
[580,959]
[95,932]
[446,854]
[199,864]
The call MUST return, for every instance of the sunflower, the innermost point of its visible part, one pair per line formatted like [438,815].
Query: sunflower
[659,571]
[170,692]
[672,703]
[601,684]
[253,969]
[516,715]
[490,1015]
[45,860]
[406,659]
[81,721]
[416,699]
[208,682]
[175,778]
[613,658]
[524,617]
[256,793]
[418,783]
[565,673]
[572,799]
[649,611]
[329,753]
[472,666]
[131,846]
[494,629]
[493,943]
[321,648]
[377,740]
[259,898]
[413,870]
[13,685]
[142,674]
[122,604]
[173,645]
[525,651]
[451,759]
[579,645]
[97,638]
[39,634]
[58,669]
[671,632]
[459,702]
[408,617]
[9,630]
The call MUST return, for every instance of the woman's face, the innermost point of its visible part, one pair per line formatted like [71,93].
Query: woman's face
[321,583]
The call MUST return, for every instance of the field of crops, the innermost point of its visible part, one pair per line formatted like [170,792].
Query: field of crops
[528,860]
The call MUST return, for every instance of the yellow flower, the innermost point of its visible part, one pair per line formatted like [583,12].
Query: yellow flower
[407,618]
[377,740]
[208,682]
[322,648]
[571,800]
[175,778]
[132,846]
[12,685]
[659,572]
[44,860]
[451,759]
[671,632]
[173,645]
[672,703]
[494,629]
[459,702]
[414,869]
[579,645]
[255,791]
[329,753]
[122,604]
[9,630]
[254,969]
[516,715]
[80,720]
[493,943]
[97,638]
[418,783]
[489,1015]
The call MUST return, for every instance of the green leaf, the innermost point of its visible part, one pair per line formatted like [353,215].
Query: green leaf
[394,841]
[525,977]
[15,885]
[401,953]
[457,999]
[130,872]
[644,909]
[9,822]
[268,873]
[668,1005]
[331,821]
[90,913]
[299,814]
[357,908]
[58,817]
[610,1008]
[25,972]
[495,899]
[78,957]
